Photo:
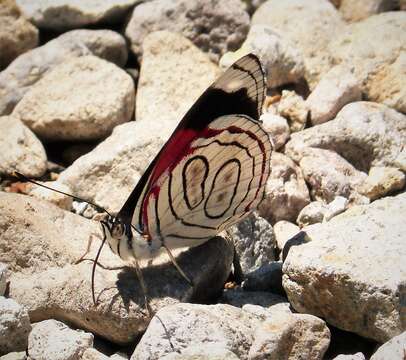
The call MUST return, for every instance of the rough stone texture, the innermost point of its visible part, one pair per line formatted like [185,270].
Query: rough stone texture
[382,181]
[51,339]
[286,191]
[17,35]
[20,355]
[352,275]
[31,66]
[3,278]
[337,206]
[93,354]
[14,326]
[394,349]
[357,356]
[20,149]
[196,352]
[356,10]
[174,73]
[329,175]
[387,84]
[316,17]
[312,214]
[251,333]
[292,107]
[266,278]
[281,60]
[284,231]
[253,241]
[59,15]
[50,240]
[60,200]
[213,27]
[278,129]
[361,47]
[336,88]
[71,102]
[365,134]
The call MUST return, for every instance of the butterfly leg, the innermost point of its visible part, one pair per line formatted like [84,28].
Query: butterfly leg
[177,265]
[143,287]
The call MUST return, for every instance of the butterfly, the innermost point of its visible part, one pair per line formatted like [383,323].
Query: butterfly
[209,175]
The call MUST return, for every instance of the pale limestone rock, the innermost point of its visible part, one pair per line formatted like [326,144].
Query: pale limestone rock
[20,149]
[296,19]
[357,356]
[174,73]
[337,206]
[278,129]
[281,60]
[394,349]
[365,134]
[292,107]
[214,29]
[336,88]
[373,48]
[356,10]
[312,214]
[3,278]
[51,339]
[355,265]
[254,242]
[286,191]
[59,15]
[17,35]
[93,354]
[382,181]
[196,352]
[284,231]
[14,326]
[60,200]
[19,355]
[31,66]
[400,161]
[71,102]
[387,84]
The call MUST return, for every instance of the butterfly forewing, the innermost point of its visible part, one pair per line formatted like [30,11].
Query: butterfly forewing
[213,169]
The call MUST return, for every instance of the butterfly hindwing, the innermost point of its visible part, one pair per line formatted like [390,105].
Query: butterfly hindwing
[161,202]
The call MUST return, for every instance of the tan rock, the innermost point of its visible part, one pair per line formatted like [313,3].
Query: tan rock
[60,200]
[93,354]
[17,35]
[356,10]
[356,272]
[292,107]
[312,213]
[278,129]
[71,102]
[286,191]
[382,181]
[284,231]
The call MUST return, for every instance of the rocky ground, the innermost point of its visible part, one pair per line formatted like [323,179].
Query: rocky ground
[91,90]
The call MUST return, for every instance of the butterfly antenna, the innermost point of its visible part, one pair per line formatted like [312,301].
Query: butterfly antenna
[95,261]
[24,178]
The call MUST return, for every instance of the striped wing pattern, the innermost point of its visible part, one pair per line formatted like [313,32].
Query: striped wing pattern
[213,169]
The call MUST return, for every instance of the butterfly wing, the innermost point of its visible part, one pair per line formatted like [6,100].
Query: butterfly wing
[240,90]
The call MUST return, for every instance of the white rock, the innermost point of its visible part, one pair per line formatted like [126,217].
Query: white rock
[284,231]
[214,29]
[20,149]
[357,356]
[400,161]
[337,206]
[51,339]
[312,214]
[174,73]
[282,61]
[60,200]
[20,355]
[71,102]
[360,46]
[355,265]
[93,354]
[286,191]
[14,326]
[3,278]
[196,352]
[119,356]
[336,88]
[365,134]
[253,241]
[292,107]
[277,127]
[382,181]
[386,85]
[296,19]
[17,35]
[356,10]
[394,349]
[61,15]
[31,66]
